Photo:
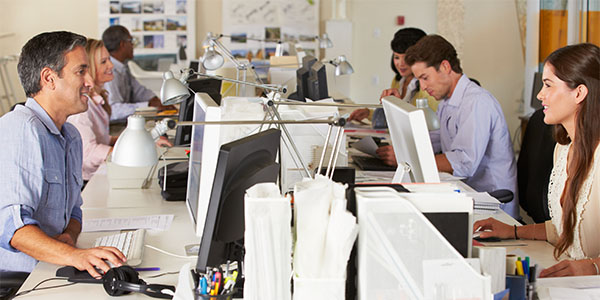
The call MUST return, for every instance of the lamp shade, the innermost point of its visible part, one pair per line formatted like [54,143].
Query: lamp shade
[212,60]
[342,66]
[135,146]
[324,41]
[172,90]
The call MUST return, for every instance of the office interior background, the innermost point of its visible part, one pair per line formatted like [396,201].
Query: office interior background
[490,36]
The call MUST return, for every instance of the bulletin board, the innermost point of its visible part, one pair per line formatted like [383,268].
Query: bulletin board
[158,26]
[284,20]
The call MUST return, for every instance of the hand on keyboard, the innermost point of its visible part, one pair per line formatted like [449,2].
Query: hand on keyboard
[130,243]
[90,259]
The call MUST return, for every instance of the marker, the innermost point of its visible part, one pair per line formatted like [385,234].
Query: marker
[519,265]
[147,269]
[203,286]
[217,282]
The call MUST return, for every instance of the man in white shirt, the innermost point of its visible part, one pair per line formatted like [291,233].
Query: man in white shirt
[125,93]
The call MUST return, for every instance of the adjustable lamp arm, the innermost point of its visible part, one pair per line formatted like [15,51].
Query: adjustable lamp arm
[271,87]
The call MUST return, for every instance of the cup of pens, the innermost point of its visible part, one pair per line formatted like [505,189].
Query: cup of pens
[227,295]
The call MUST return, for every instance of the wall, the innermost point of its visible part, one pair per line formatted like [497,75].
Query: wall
[497,62]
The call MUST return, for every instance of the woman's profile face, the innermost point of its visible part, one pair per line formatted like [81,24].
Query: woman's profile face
[104,67]
[400,65]
[558,99]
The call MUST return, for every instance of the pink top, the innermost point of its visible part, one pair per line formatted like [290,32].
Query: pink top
[93,127]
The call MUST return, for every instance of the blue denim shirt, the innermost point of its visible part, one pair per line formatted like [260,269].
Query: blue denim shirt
[40,178]
[475,138]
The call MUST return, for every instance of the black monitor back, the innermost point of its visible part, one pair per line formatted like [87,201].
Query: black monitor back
[241,164]
[537,87]
[302,77]
[317,82]
[183,134]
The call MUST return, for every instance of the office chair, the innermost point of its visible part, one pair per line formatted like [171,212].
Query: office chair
[10,282]
[534,167]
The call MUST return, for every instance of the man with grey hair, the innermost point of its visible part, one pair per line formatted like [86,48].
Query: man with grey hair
[40,182]
[125,93]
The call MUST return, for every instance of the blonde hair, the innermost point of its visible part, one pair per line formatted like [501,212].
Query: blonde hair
[92,48]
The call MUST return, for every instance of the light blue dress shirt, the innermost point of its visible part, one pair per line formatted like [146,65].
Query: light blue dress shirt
[475,138]
[40,182]
[125,93]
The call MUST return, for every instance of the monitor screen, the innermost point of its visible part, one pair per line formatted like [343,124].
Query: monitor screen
[241,164]
[411,142]
[183,134]
[317,82]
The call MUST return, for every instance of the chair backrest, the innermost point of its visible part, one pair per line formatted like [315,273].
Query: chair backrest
[534,167]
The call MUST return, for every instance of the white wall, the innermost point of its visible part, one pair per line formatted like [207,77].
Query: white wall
[491,38]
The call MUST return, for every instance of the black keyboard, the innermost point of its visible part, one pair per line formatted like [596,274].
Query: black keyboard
[369,163]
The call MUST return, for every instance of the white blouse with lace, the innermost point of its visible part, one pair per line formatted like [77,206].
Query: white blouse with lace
[586,240]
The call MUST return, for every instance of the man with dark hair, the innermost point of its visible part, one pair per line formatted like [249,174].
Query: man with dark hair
[473,141]
[125,93]
[40,183]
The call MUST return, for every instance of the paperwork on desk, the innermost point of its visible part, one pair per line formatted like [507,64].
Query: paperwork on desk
[571,287]
[157,222]
[268,243]
[483,202]
[366,145]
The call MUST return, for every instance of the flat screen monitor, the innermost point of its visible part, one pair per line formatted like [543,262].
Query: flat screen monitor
[537,87]
[183,134]
[202,146]
[317,82]
[411,142]
[241,164]
[302,78]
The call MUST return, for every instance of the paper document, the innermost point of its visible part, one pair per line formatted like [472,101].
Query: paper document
[157,222]
[571,282]
[558,293]
[366,145]
[483,201]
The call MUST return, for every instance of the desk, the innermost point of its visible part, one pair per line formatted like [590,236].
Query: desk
[102,202]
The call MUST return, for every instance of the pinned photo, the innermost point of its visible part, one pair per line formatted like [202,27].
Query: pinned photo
[131,7]
[177,23]
[154,25]
[154,41]
[239,38]
[115,7]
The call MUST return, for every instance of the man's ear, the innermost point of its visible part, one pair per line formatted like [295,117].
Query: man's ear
[445,67]
[48,78]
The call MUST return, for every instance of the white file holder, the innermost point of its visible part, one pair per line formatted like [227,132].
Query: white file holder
[402,256]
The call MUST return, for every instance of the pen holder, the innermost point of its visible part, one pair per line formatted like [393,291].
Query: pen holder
[319,288]
[227,296]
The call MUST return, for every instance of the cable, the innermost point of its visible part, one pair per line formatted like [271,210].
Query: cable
[35,288]
[169,253]
[162,274]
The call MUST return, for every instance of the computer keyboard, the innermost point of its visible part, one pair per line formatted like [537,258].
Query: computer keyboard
[131,243]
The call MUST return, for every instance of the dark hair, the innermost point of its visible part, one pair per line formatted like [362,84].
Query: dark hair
[113,36]
[46,49]
[432,50]
[577,65]
[403,39]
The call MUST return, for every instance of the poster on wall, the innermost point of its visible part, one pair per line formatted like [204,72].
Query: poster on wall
[160,28]
[271,21]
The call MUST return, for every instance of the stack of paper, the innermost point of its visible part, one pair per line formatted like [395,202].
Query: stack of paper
[268,243]
[484,202]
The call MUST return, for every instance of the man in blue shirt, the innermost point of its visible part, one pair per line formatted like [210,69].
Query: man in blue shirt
[40,182]
[125,93]
[473,140]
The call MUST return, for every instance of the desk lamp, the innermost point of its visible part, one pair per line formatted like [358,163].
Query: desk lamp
[324,41]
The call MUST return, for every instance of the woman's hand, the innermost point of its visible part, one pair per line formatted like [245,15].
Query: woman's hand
[494,228]
[358,114]
[570,268]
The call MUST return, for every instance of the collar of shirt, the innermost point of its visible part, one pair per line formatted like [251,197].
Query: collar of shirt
[459,91]
[42,115]
[118,66]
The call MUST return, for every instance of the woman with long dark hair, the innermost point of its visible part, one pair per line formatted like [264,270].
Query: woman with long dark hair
[571,100]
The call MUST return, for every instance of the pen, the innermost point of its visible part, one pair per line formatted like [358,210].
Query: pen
[147,269]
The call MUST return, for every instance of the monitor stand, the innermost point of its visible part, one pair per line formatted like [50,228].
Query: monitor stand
[402,171]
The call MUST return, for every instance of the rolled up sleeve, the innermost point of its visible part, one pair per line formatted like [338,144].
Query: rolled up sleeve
[16,217]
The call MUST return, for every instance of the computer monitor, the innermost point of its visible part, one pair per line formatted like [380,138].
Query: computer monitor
[183,134]
[302,78]
[537,87]
[317,82]
[241,164]
[203,146]
[411,142]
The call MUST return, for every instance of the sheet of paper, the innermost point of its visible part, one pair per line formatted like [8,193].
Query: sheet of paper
[559,293]
[571,282]
[366,145]
[157,222]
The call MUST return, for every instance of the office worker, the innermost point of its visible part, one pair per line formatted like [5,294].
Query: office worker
[473,141]
[125,93]
[93,124]
[571,99]
[404,84]
[41,160]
